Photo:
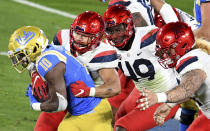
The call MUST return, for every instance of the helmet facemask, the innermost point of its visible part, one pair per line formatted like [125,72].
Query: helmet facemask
[116,35]
[120,21]
[167,57]
[84,42]
[86,31]
[20,60]
[173,41]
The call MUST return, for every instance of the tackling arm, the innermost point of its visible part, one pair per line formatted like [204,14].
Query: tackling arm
[191,82]
[165,10]
[111,86]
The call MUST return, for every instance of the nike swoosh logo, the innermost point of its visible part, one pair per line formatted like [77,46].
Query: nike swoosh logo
[81,92]
[139,54]
[35,81]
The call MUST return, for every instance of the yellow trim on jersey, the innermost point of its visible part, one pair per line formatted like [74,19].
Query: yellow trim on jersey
[198,2]
[52,52]
[46,64]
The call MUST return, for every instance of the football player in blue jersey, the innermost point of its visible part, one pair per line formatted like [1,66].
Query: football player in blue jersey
[60,69]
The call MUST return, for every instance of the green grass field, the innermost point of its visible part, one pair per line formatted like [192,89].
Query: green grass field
[15,112]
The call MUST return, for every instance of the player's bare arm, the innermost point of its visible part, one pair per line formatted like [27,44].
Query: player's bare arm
[191,82]
[56,84]
[165,10]
[157,4]
[139,20]
[204,31]
[111,86]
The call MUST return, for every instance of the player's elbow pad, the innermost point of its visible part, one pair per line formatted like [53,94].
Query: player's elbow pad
[62,102]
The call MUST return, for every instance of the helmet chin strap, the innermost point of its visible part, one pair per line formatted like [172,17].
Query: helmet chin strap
[31,66]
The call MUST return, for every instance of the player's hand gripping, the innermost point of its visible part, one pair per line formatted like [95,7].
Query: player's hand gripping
[30,96]
[39,87]
[149,98]
[79,89]
[161,113]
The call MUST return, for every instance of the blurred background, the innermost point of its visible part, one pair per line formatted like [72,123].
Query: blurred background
[15,112]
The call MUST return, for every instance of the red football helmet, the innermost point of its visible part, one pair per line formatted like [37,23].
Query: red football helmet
[159,22]
[90,25]
[114,16]
[173,41]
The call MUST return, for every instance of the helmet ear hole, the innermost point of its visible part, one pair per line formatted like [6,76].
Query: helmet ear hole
[185,44]
[37,45]
[35,49]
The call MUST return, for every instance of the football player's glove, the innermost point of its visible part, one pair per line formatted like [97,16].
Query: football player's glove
[30,96]
[79,89]
[39,87]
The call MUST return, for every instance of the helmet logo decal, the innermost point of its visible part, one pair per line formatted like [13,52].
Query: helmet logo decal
[178,33]
[26,38]
[110,22]
[79,28]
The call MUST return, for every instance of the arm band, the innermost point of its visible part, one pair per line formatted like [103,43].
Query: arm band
[92,92]
[162,97]
[168,14]
[62,102]
[36,106]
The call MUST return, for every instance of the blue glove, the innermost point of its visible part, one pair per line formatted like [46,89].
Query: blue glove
[30,96]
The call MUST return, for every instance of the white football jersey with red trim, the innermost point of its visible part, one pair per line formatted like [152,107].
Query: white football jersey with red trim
[140,63]
[144,7]
[187,18]
[197,59]
[103,56]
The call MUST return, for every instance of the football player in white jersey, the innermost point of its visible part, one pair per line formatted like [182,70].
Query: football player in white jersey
[143,10]
[136,51]
[83,40]
[175,43]
[189,109]
[181,15]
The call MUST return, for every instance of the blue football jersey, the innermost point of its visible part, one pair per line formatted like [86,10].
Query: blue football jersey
[197,10]
[51,56]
